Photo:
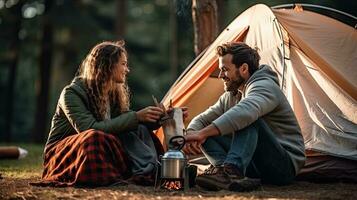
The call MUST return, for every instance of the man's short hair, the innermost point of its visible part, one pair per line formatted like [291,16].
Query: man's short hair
[242,53]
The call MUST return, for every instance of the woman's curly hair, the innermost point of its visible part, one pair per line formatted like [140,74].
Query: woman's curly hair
[97,71]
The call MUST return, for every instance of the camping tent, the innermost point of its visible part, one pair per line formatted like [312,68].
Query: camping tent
[315,58]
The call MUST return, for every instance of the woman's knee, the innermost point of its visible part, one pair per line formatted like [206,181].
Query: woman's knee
[93,135]
[143,129]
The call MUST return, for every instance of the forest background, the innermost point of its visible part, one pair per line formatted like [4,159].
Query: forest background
[42,43]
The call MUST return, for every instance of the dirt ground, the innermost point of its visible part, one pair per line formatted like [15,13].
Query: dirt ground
[18,188]
[16,175]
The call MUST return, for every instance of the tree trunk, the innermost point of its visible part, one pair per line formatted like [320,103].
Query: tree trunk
[41,122]
[221,10]
[14,52]
[173,41]
[120,25]
[205,23]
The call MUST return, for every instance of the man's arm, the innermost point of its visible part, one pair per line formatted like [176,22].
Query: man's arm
[201,128]
[261,98]
[204,119]
[201,135]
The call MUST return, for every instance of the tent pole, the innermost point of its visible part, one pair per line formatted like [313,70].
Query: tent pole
[283,52]
[314,6]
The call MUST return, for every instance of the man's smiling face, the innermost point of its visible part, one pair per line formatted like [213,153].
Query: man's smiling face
[229,73]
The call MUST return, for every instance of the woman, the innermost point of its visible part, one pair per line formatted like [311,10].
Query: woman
[95,139]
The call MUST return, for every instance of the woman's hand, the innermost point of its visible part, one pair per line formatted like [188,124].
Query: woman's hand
[149,114]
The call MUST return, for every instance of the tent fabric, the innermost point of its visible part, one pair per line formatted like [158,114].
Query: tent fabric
[323,114]
[329,43]
[315,58]
[320,168]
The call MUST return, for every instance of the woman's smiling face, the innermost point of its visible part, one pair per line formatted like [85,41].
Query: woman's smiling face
[121,69]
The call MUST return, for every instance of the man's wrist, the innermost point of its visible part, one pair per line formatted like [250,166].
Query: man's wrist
[209,131]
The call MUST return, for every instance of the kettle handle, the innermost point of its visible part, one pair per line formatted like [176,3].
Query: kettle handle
[179,140]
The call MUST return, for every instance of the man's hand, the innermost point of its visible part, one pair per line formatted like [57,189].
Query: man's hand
[192,148]
[195,136]
[194,140]
[149,114]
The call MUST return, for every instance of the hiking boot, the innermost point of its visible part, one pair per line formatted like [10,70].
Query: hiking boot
[226,177]
[232,171]
[213,179]
[239,182]
[210,170]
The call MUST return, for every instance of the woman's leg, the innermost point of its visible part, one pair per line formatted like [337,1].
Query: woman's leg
[90,158]
[140,149]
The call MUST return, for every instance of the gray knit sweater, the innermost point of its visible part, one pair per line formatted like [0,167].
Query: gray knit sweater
[261,98]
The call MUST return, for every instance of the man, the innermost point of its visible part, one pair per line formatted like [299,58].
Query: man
[251,131]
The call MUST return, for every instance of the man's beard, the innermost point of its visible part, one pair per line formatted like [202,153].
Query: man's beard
[233,86]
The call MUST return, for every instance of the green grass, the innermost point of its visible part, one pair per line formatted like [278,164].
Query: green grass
[30,166]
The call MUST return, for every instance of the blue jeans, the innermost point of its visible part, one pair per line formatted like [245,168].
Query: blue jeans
[140,149]
[255,151]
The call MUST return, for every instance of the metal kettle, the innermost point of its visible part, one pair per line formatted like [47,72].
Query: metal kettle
[173,162]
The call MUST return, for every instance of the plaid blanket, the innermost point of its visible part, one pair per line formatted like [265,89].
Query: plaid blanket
[91,158]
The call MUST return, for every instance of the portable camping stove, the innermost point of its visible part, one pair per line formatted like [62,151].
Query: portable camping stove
[180,181]
[173,171]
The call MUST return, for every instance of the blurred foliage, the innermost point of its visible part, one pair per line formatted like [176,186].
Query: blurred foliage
[79,25]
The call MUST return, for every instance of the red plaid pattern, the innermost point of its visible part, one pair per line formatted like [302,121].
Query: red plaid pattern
[90,158]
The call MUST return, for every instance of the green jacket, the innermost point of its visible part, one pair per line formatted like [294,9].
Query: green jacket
[74,115]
